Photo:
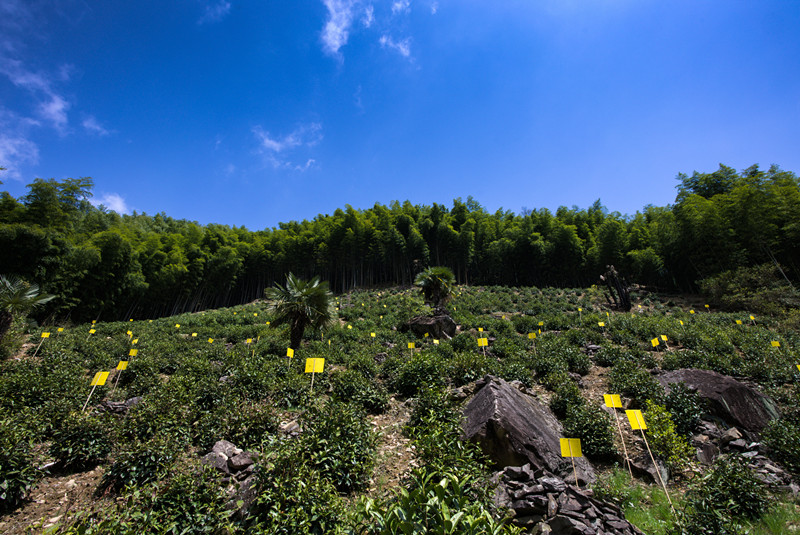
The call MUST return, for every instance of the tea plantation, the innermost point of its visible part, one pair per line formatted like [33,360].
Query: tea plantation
[321,463]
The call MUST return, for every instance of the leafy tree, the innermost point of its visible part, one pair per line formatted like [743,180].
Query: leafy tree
[17,297]
[436,284]
[301,304]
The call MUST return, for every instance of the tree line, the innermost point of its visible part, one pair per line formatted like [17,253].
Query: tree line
[102,264]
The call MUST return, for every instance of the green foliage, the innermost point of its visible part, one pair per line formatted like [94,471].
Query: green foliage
[633,381]
[83,440]
[593,427]
[724,497]
[140,463]
[664,440]
[17,472]
[436,284]
[685,408]
[339,443]
[760,289]
[441,503]
[782,436]
[407,376]
[351,385]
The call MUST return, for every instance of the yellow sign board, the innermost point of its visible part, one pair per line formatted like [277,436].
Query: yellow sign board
[210,340]
[349,326]
[601,323]
[61,329]
[571,447]
[655,342]
[194,335]
[580,309]
[99,379]
[372,335]
[636,419]
[752,318]
[289,352]
[92,331]
[315,365]
[411,345]
[483,342]
[133,352]
[134,341]
[123,365]
[248,341]
[531,336]
[94,321]
[738,322]
[480,329]
[664,337]
[541,323]
[691,312]
[613,401]
[775,343]
[45,335]
[436,341]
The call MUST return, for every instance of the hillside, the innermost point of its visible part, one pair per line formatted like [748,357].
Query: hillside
[379,414]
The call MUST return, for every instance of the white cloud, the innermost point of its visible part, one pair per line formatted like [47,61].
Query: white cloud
[16,149]
[215,12]
[434,8]
[112,201]
[369,16]
[401,6]
[277,149]
[52,106]
[402,47]
[55,111]
[92,125]
[337,27]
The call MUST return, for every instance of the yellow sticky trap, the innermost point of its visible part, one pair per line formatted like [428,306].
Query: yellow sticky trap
[436,341]
[194,335]
[640,306]
[655,342]
[329,342]
[607,315]
[483,342]
[707,306]
[691,312]
[613,401]
[151,321]
[45,335]
[753,318]
[134,341]
[411,345]
[94,321]
[425,335]
[798,366]
[531,336]
[580,309]
[315,365]
[255,313]
[384,306]
[267,323]
[133,352]
[681,321]
[235,313]
[372,335]
[61,329]
[664,337]
[738,322]
[289,352]
[92,331]
[601,323]
[130,319]
[503,317]
[99,379]
[129,333]
[177,325]
[123,365]
[636,419]
[480,329]
[210,340]
[571,447]
[248,341]
[349,326]
[775,343]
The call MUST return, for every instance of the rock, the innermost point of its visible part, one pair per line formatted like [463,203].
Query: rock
[728,399]
[240,462]
[246,494]
[730,435]
[227,448]
[217,460]
[513,429]
[291,428]
[707,452]
[739,444]
[438,326]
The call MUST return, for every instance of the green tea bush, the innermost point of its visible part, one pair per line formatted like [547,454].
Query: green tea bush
[685,407]
[610,355]
[83,440]
[567,394]
[339,443]
[665,441]
[591,425]
[631,380]
[723,498]
[140,463]
[411,374]
[464,368]
[247,424]
[351,385]
[515,370]
[17,471]
[782,436]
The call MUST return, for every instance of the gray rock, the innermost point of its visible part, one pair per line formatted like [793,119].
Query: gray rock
[707,452]
[217,460]
[439,326]
[227,448]
[241,461]
[728,399]
[513,429]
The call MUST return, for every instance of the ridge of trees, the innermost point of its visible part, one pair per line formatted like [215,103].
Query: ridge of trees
[100,263]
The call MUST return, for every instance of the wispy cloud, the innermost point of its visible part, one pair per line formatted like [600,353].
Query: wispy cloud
[16,148]
[403,47]
[434,8]
[401,6]
[93,126]
[277,148]
[215,12]
[52,106]
[369,16]
[337,27]
[112,201]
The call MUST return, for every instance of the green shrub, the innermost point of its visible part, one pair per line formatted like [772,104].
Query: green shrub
[685,406]
[782,436]
[664,440]
[567,394]
[726,495]
[592,426]
[412,374]
[83,441]
[351,385]
[246,424]
[339,443]
[140,463]
[633,381]
[17,473]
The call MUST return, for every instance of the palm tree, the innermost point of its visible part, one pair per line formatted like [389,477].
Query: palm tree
[436,284]
[301,304]
[17,297]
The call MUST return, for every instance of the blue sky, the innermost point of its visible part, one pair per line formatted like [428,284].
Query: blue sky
[257,112]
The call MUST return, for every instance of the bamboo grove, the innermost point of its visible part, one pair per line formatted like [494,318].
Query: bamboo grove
[120,266]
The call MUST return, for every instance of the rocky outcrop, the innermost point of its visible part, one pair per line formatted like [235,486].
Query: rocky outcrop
[120,407]
[728,399]
[440,325]
[513,429]
[543,503]
[236,467]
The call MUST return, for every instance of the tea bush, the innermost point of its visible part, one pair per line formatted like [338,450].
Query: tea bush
[685,407]
[665,441]
[140,463]
[83,440]
[593,427]
[633,381]
[782,436]
[351,385]
[17,471]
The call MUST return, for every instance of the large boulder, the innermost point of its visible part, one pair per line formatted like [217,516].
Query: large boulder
[728,399]
[514,429]
[439,325]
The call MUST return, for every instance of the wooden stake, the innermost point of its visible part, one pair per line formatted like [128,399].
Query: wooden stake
[90,397]
[37,347]
[624,448]
[658,472]
[574,472]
